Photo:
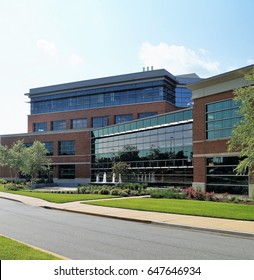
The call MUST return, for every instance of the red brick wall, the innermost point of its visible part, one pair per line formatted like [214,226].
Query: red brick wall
[82,144]
[201,146]
[159,107]
[199,170]
[82,139]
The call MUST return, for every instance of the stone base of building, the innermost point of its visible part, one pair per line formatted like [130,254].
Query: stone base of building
[199,186]
[251,191]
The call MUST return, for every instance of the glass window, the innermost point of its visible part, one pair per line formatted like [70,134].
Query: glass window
[79,123]
[50,148]
[99,121]
[66,148]
[146,115]
[39,127]
[123,118]
[159,147]
[58,125]
[28,144]
[222,178]
[147,122]
[112,96]
[183,97]
[221,117]
[67,171]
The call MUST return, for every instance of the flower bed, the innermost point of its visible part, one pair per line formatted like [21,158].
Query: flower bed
[190,193]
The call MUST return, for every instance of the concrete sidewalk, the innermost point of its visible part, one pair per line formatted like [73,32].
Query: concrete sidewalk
[216,225]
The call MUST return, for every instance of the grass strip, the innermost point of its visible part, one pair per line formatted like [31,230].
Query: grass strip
[14,250]
[57,197]
[183,206]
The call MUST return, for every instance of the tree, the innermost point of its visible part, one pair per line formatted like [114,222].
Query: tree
[35,160]
[24,160]
[129,153]
[14,158]
[120,168]
[3,155]
[242,138]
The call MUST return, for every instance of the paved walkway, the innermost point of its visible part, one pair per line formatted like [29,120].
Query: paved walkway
[222,226]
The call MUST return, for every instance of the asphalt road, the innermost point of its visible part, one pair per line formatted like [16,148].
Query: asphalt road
[84,237]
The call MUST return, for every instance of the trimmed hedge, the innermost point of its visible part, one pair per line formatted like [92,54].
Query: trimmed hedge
[131,189]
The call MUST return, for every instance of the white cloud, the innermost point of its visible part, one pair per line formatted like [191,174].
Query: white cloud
[75,60]
[250,61]
[47,47]
[178,59]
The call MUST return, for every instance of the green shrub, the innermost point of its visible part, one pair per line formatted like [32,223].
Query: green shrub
[157,193]
[200,195]
[210,197]
[135,186]
[123,193]
[81,189]
[167,193]
[114,192]
[236,200]
[12,187]
[3,181]
[134,193]
[40,181]
[104,191]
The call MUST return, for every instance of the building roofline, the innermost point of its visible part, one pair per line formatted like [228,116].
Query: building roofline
[150,74]
[234,74]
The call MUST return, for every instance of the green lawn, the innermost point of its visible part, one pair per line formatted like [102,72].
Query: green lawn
[13,250]
[183,206]
[57,197]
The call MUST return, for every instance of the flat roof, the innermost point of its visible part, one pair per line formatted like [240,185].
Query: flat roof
[106,81]
[231,75]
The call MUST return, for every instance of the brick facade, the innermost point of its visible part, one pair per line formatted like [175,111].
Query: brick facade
[82,157]
[202,147]
[134,109]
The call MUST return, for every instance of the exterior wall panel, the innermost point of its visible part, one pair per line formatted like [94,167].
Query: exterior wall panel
[81,158]
[159,107]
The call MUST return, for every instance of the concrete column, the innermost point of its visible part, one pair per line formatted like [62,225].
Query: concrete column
[199,185]
[251,186]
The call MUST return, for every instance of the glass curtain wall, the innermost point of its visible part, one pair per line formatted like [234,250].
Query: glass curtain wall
[158,149]
[222,178]
[221,118]
[103,97]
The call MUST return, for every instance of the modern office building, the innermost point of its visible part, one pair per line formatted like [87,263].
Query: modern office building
[215,114]
[66,118]
[145,119]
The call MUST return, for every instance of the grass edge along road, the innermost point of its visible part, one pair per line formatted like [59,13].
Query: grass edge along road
[183,206]
[57,197]
[175,206]
[16,250]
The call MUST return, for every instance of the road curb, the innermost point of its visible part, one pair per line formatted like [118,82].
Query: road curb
[208,230]
[99,215]
[186,227]
[172,225]
[37,248]
[12,199]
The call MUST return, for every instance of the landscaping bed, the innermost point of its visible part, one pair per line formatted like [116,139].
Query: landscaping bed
[59,196]
[191,194]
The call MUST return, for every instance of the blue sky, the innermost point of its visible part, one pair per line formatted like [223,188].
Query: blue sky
[46,42]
